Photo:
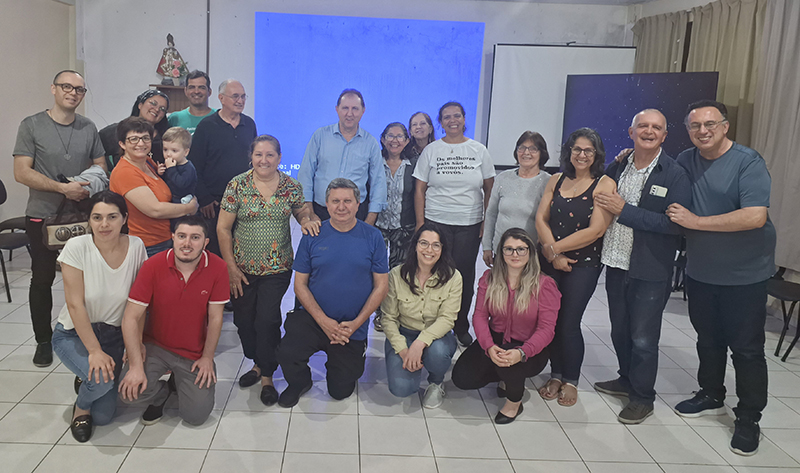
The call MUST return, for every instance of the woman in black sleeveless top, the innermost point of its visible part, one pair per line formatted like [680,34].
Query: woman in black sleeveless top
[571,232]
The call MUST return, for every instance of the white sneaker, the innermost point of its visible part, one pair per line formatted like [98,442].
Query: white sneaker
[433,397]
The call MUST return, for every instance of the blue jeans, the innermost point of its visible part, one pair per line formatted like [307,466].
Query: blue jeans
[99,398]
[436,359]
[158,248]
[635,308]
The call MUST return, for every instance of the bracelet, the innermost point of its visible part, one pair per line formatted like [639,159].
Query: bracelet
[524,356]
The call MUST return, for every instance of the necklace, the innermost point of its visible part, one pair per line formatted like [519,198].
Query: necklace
[571,189]
[67,156]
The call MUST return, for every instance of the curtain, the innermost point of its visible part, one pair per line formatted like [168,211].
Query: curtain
[776,123]
[659,42]
[726,37]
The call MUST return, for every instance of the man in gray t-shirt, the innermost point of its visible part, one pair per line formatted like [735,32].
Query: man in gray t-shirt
[730,255]
[56,141]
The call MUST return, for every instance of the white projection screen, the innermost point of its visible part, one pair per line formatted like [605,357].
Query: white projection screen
[528,90]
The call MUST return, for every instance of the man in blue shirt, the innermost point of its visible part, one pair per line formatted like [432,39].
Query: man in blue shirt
[730,256]
[341,277]
[344,149]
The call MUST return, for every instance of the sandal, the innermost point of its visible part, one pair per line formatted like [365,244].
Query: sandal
[551,389]
[565,399]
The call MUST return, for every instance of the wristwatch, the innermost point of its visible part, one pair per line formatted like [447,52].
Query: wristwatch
[524,356]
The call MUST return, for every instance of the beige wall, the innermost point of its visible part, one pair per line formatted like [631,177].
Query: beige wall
[35,39]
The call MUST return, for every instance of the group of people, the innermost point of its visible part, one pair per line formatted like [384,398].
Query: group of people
[391,228]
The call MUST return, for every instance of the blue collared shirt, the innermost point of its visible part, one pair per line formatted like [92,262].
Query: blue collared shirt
[329,155]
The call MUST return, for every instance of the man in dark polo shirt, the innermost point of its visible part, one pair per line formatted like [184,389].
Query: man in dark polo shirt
[185,289]
[730,251]
[220,151]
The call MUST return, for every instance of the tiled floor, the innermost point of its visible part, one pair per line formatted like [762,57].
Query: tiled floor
[374,432]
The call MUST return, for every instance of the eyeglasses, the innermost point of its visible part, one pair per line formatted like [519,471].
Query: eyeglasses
[394,137]
[532,149]
[236,97]
[425,244]
[67,88]
[135,139]
[588,152]
[155,104]
[521,251]
[710,126]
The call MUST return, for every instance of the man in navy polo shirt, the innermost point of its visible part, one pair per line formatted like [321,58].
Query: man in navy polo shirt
[341,277]
[185,289]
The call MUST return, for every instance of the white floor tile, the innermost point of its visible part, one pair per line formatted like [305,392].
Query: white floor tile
[121,432]
[318,401]
[529,466]
[473,465]
[22,458]
[675,381]
[759,469]
[606,443]
[768,453]
[15,385]
[675,444]
[394,436]
[787,439]
[784,384]
[375,399]
[228,364]
[307,462]
[35,423]
[397,464]
[156,459]
[589,408]
[460,404]
[599,355]
[172,432]
[464,438]
[615,467]
[264,431]
[56,388]
[242,462]
[322,433]
[551,441]
[15,334]
[82,459]
[668,468]
[536,408]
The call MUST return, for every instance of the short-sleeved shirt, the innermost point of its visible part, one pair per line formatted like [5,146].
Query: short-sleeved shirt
[340,266]
[105,289]
[178,319]
[124,178]
[454,174]
[262,239]
[737,179]
[56,149]
[186,120]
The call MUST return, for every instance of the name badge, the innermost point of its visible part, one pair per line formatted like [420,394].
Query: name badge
[658,191]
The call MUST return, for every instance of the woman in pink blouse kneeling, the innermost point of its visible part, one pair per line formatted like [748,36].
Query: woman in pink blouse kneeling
[514,320]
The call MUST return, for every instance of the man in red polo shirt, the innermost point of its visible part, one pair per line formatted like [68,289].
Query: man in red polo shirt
[185,289]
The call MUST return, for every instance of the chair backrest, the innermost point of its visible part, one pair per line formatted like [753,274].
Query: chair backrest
[3,193]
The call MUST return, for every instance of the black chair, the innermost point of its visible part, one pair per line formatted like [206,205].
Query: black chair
[785,291]
[10,238]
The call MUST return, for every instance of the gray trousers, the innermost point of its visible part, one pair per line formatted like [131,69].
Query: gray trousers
[194,403]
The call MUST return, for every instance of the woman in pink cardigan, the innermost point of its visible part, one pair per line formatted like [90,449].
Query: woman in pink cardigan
[514,320]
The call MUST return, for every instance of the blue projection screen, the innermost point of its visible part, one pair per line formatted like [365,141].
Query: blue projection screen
[303,62]
[608,103]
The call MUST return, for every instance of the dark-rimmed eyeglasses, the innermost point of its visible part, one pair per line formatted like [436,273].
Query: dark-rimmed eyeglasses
[135,139]
[710,125]
[588,152]
[521,251]
[394,137]
[532,149]
[67,88]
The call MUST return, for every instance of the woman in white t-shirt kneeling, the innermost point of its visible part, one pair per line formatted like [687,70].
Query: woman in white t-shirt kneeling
[98,271]
[454,181]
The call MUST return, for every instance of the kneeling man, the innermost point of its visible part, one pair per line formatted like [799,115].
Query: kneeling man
[185,290]
[341,277]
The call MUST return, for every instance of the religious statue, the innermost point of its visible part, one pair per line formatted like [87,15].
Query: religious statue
[172,66]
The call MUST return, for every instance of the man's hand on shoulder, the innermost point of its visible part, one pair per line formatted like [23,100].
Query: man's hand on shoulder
[205,372]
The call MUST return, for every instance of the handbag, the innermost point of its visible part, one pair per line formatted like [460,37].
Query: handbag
[68,222]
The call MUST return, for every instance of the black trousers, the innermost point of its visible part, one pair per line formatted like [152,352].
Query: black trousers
[257,315]
[731,316]
[474,369]
[303,338]
[43,273]
[464,243]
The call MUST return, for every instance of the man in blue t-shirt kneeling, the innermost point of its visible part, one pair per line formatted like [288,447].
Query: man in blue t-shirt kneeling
[341,277]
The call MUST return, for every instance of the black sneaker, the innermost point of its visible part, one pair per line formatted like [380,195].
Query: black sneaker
[291,395]
[376,322]
[77,384]
[465,339]
[613,387]
[700,405]
[44,355]
[745,437]
[155,412]
[635,413]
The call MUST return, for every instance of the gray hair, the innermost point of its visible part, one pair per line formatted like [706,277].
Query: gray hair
[224,85]
[342,183]
[647,110]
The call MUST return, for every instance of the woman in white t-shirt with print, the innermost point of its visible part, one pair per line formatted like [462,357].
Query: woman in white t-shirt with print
[98,270]
[454,181]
